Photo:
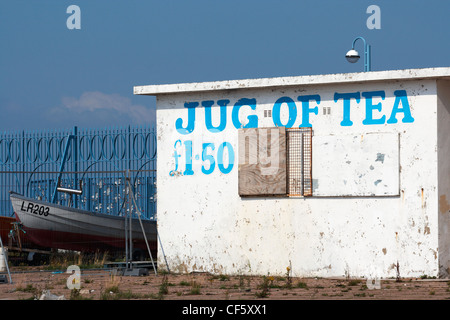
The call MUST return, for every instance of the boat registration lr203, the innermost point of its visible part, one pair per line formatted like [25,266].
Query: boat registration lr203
[35,208]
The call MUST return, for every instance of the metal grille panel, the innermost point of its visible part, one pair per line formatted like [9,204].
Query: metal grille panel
[299,162]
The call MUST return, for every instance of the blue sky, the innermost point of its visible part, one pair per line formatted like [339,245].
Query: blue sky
[54,77]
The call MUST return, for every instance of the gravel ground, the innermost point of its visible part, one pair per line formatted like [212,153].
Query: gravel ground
[102,284]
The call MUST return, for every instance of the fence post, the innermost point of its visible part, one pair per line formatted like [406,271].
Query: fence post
[23,163]
[75,164]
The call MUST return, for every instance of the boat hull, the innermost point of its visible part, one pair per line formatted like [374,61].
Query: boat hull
[54,226]
[20,240]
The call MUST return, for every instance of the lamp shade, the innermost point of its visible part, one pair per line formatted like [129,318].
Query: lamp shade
[352,56]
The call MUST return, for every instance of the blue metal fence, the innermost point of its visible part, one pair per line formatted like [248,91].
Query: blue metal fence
[96,160]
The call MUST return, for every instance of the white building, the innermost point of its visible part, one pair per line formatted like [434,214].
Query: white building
[366,193]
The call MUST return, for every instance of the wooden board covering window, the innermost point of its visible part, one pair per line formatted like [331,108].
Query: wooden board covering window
[262,161]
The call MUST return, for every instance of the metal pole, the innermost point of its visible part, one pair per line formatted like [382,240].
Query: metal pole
[162,250]
[6,260]
[61,168]
[126,231]
[75,163]
[367,58]
[130,222]
[142,227]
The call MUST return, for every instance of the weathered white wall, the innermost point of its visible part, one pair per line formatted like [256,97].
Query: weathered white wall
[443,126]
[356,165]
[205,226]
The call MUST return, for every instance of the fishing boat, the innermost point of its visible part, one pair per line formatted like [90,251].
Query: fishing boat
[54,226]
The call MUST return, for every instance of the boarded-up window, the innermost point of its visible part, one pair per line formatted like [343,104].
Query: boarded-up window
[262,161]
[275,161]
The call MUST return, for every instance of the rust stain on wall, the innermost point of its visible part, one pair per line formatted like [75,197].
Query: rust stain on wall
[423,199]
[444,206]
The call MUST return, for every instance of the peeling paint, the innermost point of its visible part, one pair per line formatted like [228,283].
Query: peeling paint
[315,184]
[380,157]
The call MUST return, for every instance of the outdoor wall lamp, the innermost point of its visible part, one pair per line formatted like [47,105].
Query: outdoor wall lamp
[353,55]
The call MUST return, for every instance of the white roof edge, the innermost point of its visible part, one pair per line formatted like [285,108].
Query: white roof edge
[406,74]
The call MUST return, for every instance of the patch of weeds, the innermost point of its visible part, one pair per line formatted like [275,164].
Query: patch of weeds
[61,260]
[360,294]
[354,282]
[113,289]
[288,278]
[163,288]
[75,295]
[264,286]
[29,288]
[114,293]
[127,295]
[301,285]
[224,277]
[195,288]
[262,294]
[242,278]
[110,293]
[241,281]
